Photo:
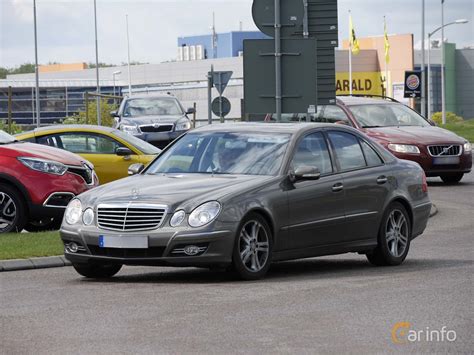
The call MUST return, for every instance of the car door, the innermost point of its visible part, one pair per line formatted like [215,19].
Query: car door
[100,150]
[366,183]
[316,208]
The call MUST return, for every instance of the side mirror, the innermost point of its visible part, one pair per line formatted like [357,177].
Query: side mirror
[305,173]
[114,114]
[123,152]
[190,111]
[135,169]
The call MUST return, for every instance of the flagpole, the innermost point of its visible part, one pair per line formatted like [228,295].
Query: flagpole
[386,64]
[350,59]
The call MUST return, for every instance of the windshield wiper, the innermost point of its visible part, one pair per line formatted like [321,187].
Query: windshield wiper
[372,126]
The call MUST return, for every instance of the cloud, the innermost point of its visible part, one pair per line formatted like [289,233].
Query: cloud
[66,27]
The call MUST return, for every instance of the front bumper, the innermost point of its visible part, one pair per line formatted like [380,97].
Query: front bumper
[217,246]
[160,139]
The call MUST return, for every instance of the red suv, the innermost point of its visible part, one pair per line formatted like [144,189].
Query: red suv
[36,184]
[401,130]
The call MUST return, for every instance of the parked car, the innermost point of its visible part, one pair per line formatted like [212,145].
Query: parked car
[155,118]
[401,130]
[111,151]
[244,195]
[37,183]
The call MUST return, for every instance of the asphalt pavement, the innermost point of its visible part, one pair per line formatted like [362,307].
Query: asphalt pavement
[336,304]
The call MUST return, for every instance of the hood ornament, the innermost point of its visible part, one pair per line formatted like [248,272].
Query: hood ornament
[135,193]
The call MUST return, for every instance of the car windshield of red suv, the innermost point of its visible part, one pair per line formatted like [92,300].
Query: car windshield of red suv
[5,138]
[386,115]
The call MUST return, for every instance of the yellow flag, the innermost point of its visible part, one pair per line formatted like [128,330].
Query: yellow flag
[354,42]
[387,43]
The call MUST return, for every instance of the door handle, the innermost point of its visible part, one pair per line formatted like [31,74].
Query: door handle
[338,187]
[382,180]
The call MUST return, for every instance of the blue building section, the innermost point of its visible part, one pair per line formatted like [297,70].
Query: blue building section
[228,44]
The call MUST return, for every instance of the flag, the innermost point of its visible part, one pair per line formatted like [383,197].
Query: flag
[386,42]
[353,42]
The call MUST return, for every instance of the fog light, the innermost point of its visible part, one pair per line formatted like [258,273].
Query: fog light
[72,247]
[191,250]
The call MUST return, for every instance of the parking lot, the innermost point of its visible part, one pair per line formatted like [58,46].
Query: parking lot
[330,304]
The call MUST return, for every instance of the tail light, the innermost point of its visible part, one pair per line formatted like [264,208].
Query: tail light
[424,184]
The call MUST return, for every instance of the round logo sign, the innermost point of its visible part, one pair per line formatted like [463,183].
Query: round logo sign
[413,82]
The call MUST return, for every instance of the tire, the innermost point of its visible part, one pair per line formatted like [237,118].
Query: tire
[452,178]
[97,271]
[252,254]
[51,224]
[393,238]
[13,216]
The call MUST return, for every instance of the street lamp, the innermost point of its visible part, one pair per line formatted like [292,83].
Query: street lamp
[37,91]
[443,96]
[113,77]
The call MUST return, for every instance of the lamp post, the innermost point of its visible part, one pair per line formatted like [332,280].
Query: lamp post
[457,22]
[423,69]
[118,72]
[128,58]
[37,91]
[99,119]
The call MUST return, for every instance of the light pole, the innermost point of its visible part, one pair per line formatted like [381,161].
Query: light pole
[423,69]
[457,22]
[99,120]
[118,72]
[128,55]
[38,120]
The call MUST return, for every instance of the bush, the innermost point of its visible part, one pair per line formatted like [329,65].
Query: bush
[105,108]
[14,127]
[450,118]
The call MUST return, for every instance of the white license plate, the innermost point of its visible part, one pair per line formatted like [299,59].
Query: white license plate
[123,242]
[446,160]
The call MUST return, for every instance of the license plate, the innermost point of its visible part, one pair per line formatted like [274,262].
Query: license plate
[123,242]
[446,160]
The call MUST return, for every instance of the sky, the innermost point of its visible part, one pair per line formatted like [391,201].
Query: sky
[66,27]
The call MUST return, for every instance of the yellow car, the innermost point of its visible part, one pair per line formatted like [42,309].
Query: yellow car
[110,150]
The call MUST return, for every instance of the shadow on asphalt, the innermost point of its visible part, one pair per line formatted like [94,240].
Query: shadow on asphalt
[322,269]
[436,183]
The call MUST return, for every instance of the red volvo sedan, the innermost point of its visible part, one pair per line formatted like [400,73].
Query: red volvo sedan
[36,184]
[402,131]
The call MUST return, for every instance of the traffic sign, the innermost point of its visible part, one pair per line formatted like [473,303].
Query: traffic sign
[220,80]
[221,106]
[291,16]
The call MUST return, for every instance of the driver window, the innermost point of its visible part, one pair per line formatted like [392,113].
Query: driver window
[313,151]
[334,114]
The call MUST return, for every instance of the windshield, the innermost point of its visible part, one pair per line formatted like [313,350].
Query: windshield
[144,147]
[5,138]
[152,106]
[386,115]
[224,153]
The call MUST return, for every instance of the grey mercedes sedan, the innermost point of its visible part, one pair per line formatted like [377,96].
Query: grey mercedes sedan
[242,196]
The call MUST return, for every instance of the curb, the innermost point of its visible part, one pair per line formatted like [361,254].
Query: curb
[60,261]
[33,263]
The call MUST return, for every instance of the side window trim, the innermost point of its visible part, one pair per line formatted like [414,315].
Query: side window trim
[374,150]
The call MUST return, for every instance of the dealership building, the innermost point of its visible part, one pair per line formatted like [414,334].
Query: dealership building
[63,87]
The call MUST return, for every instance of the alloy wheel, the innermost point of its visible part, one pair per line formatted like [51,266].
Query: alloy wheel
[396,233]
[8,211]
[254,246]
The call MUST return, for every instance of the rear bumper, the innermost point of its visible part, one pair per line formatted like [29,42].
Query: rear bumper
[421,215]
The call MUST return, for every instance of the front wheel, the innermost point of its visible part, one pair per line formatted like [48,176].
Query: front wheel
[394,237]
[97,271]
[252,248]
[452,178]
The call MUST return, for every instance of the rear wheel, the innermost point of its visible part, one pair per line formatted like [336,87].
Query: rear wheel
[452,178]
[44,225]
[12,210]
[97,271]
[253,248]
[394,237]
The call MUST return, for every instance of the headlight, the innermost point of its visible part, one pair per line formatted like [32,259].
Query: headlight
[45,166]
[177,218]
[133,130]
[73,212]
[404,148]
[204,214]
[88,217]
[183,125]
[467,147]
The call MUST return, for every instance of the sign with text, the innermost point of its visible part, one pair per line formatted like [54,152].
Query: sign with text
[412,84]
[368,83]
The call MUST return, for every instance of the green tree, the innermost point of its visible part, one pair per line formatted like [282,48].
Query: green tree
[105,109]
[3,73]
[14,127]
[26,68]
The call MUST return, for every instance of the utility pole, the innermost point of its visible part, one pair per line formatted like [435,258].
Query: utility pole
[37,91]
[99,118]
[423,71]
[443,84]
[278,91]
[128,55]
[214,36]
